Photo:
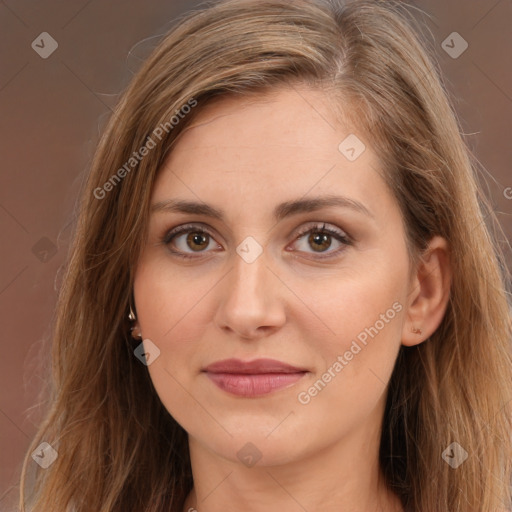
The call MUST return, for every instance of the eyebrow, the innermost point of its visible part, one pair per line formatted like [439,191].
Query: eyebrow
[281,211]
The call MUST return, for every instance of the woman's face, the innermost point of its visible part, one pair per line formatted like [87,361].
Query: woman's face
[249,279]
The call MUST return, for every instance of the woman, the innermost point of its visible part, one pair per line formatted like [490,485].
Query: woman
[282,293]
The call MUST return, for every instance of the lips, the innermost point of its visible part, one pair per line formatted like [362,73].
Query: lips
[252,367]
[253,378]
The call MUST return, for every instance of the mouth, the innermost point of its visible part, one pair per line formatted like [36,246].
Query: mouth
[253,378]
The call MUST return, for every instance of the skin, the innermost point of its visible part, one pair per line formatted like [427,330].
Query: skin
[245,156]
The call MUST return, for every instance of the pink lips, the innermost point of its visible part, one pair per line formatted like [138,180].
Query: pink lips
[253,378]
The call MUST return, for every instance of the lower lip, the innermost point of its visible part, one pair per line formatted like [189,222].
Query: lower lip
[254,384]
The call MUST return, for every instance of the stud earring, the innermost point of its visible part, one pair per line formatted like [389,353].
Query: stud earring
[132,318]
[414,330]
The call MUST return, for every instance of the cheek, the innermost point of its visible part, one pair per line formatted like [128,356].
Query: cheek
[170,309]
[364,315]
[356,362]
[351,301]
[171,312]
[168,296]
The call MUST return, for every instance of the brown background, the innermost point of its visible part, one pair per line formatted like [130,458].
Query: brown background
[52,113]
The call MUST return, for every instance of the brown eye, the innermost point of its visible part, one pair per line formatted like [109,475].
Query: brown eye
[186,240]
[320,240]
[197,241]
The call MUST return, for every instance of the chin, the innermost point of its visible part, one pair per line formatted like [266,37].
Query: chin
[258,444]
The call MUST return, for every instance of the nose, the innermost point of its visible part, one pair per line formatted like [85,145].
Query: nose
[251,299]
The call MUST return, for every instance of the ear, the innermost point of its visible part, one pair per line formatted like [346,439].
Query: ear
[136,332]
[135,327]
[429,293]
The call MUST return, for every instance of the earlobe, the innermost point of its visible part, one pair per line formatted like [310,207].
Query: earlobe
[134,329]
[429,293]
[136,332]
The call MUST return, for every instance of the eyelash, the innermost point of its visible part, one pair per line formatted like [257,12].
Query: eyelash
[340,236]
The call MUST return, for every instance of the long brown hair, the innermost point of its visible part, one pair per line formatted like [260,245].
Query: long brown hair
[119,450]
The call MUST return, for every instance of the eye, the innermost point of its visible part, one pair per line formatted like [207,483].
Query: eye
[320,239]
[197,240]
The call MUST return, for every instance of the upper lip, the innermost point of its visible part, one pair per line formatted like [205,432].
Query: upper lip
[251,367]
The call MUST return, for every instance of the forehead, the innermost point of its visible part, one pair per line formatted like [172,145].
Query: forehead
[287,119]
[266,148]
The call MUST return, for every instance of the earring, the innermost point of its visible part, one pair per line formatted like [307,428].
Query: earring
[132,318]
[414,330]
